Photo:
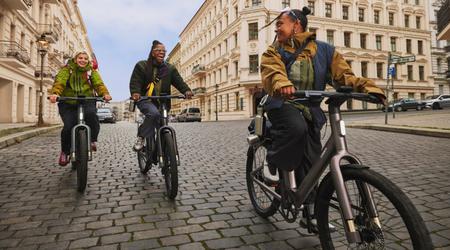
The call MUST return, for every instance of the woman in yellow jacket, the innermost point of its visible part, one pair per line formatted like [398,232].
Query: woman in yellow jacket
[77,78]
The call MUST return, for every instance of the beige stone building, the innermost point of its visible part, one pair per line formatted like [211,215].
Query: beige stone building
[22,23]
[222,44]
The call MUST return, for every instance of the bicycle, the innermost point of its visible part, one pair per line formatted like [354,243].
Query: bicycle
[161,149]
[365,209]
[80,150]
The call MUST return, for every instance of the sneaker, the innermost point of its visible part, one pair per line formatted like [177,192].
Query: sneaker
[93,146]
[315,229]
[63,159]
[139,144]
[268,176]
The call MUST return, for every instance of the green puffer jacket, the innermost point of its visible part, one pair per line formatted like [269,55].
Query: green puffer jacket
[77,79]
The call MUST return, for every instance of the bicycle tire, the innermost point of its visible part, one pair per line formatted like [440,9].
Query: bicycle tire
[261,202]
[143,155]
[400,212]
[82,159]
[170,166]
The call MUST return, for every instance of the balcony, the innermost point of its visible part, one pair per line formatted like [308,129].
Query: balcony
[48,74]
[50,1]
[443,21]
[198,70]
[19,4]
[200,91]
[13,54]
[50,31]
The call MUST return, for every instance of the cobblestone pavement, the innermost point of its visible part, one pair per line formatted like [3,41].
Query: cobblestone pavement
[122,209]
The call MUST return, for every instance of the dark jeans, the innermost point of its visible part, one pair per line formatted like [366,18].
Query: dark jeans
[69,116]
[295,141]
[151,121]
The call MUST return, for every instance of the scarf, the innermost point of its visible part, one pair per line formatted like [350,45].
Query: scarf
[78,77]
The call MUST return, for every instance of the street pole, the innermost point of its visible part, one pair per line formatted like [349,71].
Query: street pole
[386,107]
[41,96]
[393,96]
[217,113]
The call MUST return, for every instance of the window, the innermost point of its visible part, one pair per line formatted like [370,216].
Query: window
[408,46]
[420,47]
[285,3]
[393,44]
[312,30]
[361,14]
[376,16]
[391,18]
[236,100]
[253,31]
[235,36]
[421,73]
[418,22]
[417,2]
[407,21]
[328,10]
[253,62]
[378,42]
[236,69]
[410,95]
[410,72]
[311,7]
[364,69]
[256,2]
[363,41]
[330,36]
[379,70]
[347,38]
[439,65]
[345,12]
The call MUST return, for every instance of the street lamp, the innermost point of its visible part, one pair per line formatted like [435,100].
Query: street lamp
[42,49]
[217,113]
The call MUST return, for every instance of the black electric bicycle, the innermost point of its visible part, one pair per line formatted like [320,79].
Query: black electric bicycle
[80,150]
[162,149]
[355,207]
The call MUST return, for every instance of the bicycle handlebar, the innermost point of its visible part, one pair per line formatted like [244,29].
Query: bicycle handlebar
[79,98]
[311,94]
[142,98]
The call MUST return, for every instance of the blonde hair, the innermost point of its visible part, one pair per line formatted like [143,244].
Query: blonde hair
[79,53]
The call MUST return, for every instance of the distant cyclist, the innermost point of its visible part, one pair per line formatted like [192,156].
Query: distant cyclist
[77,78]
[149,78]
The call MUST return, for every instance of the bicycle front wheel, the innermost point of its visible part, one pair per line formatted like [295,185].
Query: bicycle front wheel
[144,157]
[81,155]
[170,167]
[399,224]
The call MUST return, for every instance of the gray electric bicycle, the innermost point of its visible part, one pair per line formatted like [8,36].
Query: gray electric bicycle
[162,149]
[355,207]
[80,150]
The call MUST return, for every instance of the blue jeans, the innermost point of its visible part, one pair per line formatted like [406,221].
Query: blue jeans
[151,121]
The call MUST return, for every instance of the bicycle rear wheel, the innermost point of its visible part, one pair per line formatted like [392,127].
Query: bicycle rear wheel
[265,205]
[400,225]
[170,167]
[81,155]
[144,157]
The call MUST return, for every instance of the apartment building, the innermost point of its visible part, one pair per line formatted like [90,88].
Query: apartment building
[222,44]
[440,51]
[23,25]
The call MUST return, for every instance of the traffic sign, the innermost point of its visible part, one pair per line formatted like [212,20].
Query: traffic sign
[403,59]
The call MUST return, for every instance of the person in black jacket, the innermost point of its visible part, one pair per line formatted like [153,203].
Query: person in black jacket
[152,77]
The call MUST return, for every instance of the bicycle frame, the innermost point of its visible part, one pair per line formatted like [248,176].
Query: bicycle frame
[81,125]
[333,152]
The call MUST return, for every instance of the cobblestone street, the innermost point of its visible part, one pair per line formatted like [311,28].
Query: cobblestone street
[123,209]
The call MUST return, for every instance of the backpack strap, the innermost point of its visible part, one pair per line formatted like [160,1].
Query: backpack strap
[89,80]
[289,58]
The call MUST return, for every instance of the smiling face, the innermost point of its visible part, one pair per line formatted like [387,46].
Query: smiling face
[82,60]
[159,52]
[285,28]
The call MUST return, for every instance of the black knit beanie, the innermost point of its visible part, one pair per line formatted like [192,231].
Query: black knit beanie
[300,15]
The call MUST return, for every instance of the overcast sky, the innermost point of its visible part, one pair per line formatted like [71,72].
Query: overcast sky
[121,33]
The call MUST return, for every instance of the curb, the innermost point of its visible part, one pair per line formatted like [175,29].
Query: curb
[442,133]
[12,139]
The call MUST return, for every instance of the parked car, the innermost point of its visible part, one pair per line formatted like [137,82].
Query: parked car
[190,115]
[106,115]
[405,104]
[437,101]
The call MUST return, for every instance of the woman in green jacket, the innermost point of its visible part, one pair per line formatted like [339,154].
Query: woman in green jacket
[77,78]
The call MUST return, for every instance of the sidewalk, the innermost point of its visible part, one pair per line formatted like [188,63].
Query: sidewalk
[435,123]
[13,133]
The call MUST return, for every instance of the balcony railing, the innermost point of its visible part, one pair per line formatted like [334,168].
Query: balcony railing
[198,69]
[19,4]
[47,72]
[443,16]
[200,91]
[50,31]
[9,49]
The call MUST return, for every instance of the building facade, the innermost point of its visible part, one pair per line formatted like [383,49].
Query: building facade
[440,53]
[221,48]
[22,24]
